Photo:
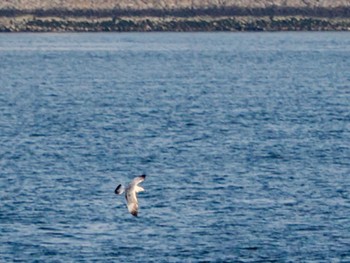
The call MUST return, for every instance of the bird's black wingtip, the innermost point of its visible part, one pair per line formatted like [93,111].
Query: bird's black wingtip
[116,191]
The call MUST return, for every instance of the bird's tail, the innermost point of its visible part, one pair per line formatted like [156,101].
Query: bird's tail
[119,190]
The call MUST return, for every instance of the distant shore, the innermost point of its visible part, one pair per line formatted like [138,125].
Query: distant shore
[175,20]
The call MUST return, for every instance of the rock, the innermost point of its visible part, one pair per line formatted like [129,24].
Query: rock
[173,15]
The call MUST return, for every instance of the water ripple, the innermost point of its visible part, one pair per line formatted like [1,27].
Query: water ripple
[245,139]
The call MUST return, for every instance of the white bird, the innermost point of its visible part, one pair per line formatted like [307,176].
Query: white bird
[130,193]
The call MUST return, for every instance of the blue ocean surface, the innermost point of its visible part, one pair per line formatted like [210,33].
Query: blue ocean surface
[244,138]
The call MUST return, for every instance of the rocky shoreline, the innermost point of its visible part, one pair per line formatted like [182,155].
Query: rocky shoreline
[29,23]
[178,20]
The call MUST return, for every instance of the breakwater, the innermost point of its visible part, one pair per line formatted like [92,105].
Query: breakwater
[271,18]
[137,24]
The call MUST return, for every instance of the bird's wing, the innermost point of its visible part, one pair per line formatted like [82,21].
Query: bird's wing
[132,202]
[119,190]
[138,180]
[130,194]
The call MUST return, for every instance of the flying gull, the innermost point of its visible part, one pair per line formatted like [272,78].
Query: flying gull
[130,193]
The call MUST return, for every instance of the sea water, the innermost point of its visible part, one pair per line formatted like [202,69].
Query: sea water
[244,138]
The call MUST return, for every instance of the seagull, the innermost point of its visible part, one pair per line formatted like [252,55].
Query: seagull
[130,193]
